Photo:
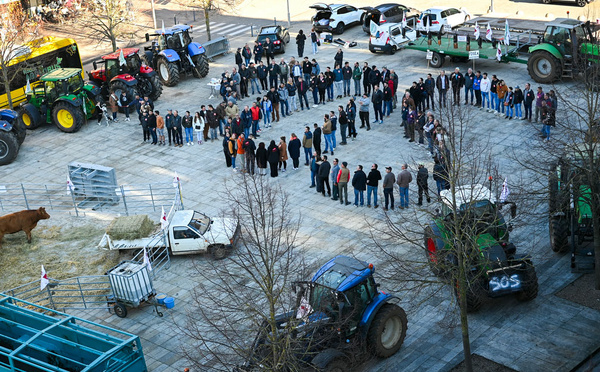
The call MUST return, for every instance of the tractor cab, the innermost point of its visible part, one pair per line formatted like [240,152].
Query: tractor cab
[176,38]
[565,34]
[55,84]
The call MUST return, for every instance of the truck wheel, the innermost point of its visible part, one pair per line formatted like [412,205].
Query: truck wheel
[559,234]
[68,118]
[543,67]
[168,72]
[118,87]
[30,116]
[337,365]
[9,147]
[388,330]
[529,283]
[437,60]
[201,69]
[120,310]
[219,252]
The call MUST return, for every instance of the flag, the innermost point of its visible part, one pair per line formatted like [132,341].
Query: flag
[70,186]
[499,53]
[373,28]
[122,60]
[44,279]
[506,33]
[28,89]
[146,260]
[176,180]
[404,20]
[505,191]
[163,28]
[428,25]
[488,32]
[163,219]
[304,310]
[476,33]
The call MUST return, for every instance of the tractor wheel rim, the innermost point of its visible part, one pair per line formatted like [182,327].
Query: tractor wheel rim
[26,120]
[164,71]
[3,149]
[543,67]
[64,118]
[392,331]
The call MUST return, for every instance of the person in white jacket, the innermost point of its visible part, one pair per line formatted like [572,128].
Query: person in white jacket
[486,85]
[199,127]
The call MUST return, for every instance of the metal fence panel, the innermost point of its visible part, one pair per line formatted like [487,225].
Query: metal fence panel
[216,47]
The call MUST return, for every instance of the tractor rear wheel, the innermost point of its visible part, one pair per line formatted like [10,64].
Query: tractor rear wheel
[388,330]
[337,365]
[475,294]
[437,60]
[20,131]
[201,63]
[67,117]
[119,87]
[559,234]
[543,67]
[529,283]
[30,116]
[9,147]
[168,72]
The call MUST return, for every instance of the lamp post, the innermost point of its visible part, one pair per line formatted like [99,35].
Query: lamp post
[153,13]
[492,7]
[288,10]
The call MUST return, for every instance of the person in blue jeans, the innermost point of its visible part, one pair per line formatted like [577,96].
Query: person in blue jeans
[359,182]
[403,181]
[372,184]
[307,144]
[314,168]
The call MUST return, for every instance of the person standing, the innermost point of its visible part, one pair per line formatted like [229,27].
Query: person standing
[343,121]
[494,94]
[469,81]
[338,81]
[273,73]
[225,144]
[342,180]
[477,89]
[262,73]
[351,115]
[333,175]
[152,127]
[501,93]
[238,58]
[457,81]
[356,76]
[528,98]
[403,181]
[249,149]
[266,111]
[363,112]
[517,100]
[333,119]
[114,103]
[323,176]
[258,52]
[430,89]
[347,76]
[377,100]
[302,88]
[388,187]
[212,119]
[366,73]
[291,89]
[268,50]
[372,185]
[283,156]
[314,169]
[273,151]
[307,143]
[374,77]
[359,183]
[294,150]
[124,103]
[314,38]
[422,178]
[442,83]
[284,71]
[539,97]
[282,92]
[177,129]
[273,97]
[338,58]
[300,40]
[232,148]
[440,175]
[247,54]
[169,125]
[186,122]
[329,79]
[327,134]
[253,76]
[306,69]
[256,113]
[160,128]
[262,157]
[316,141]
[387,100]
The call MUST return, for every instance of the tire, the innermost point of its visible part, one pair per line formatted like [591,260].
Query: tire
[543,67]
[437,60]
[337,365]
[432,252]
[475,295]
[118,87]
[120,310]
[581,3]
[67,117]
[529,284]
[9,147]
[30,116]
[201,69]
[592,77]
[559,234]
[392,50]
[388,330]
[168,72]
[339,29]
[20,131]
[547,1]
[219,252]
[149,86]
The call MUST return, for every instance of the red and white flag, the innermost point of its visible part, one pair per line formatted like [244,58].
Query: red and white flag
[147,260]
[70,186]
[176,180]
[163,219]
[476,32]
[499,53]
[488,32]
[44,279]
[404,20]
[505,191]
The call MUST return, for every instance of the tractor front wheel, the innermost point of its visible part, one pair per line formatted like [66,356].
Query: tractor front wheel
[9,147]
[529,283]
[388,330]
[543,67]
[67,117]
[150,87]
[559,234]
[30,116]
[168,72]
[119,87]
[201,65]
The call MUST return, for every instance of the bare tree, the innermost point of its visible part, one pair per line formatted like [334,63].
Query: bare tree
[208,6]
[16,28]
[108,20]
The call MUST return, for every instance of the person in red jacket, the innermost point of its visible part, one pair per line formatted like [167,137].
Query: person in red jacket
[256,115]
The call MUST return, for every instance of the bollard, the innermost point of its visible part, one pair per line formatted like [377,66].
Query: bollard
[251,30]
[194,13]
[275,21]
[175,20]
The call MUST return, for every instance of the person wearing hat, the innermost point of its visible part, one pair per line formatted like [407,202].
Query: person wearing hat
[388,187]
[342,180]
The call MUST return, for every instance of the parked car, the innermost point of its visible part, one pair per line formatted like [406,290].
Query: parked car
[390,37]
[278,35]
[578,2]
[442,16]
[335,18]
[390,13]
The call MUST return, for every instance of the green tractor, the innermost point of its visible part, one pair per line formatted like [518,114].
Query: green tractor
[60,97]
[567,48]
[570,211]
[495,269]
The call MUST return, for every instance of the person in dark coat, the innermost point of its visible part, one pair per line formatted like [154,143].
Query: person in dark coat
[422,177]
[323,177]
[238,58]
[300,40]
[338,59]
[273,158]
[294,150]
[249,149]
[226,150]
[440,175]
[359,182]
[262,159]
[258,52]
[317,139]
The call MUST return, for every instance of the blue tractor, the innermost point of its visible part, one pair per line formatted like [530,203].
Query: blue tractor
[340,318]
[173,53]
[12,135]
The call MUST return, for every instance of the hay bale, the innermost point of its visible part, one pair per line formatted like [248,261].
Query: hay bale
[131,227]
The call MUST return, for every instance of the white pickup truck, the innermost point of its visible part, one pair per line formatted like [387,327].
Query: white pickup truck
[390,37]
[189,232]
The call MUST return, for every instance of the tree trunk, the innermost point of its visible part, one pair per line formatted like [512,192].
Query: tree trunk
[7,87]
[207,21]
[113,41]
[464,321]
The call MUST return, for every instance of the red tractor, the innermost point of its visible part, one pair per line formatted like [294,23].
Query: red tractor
[123,70]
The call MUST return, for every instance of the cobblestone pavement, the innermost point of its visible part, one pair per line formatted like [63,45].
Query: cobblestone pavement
[547,334]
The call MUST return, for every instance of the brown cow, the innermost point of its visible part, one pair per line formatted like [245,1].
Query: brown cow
[24,220]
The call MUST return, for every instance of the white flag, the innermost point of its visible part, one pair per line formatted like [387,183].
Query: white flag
[163,28]
[404,20]
[505,191]
[70,186]
[499,53]
[176,180]
[146,260]
[428,25]
[488,32]
[304,310]
[506,33]
[44,279]
[28,89]
[163,220]
[122,61]
[476,33]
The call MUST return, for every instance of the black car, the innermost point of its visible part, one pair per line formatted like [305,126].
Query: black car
[278,35]
[391,13]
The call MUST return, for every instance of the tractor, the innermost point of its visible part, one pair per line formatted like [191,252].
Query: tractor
[340,316]
[495,269]
[12,135]
[570,210]
[125,71]
[567,48]
[173,53]
[60,97]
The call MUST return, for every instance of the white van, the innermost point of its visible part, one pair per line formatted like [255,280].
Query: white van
[390,37]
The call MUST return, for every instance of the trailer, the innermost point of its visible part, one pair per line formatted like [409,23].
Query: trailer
[38,339]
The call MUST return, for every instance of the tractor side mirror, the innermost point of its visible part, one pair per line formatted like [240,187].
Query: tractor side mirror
[147,37]
[95,65]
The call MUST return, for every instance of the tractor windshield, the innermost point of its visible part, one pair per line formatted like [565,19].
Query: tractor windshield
[74,83]
[134,63]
